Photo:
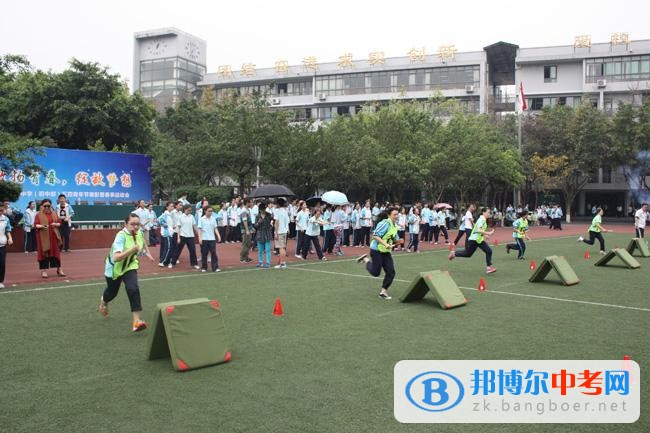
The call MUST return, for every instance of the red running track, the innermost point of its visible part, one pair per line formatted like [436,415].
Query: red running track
[83,265]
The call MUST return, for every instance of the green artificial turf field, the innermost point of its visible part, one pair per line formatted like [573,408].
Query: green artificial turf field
[327,364]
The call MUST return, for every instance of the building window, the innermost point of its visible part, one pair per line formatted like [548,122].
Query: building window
[625,68]
[550,74]
[607,175]
[536,103]
[456,77]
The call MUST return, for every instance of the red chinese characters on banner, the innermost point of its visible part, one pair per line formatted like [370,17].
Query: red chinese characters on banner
[97,179]
[112,179]
[125,180]
[81,178]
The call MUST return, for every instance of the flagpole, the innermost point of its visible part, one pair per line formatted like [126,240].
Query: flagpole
[521,107]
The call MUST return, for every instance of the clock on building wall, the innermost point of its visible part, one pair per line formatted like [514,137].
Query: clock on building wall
[192,50]
[157,47]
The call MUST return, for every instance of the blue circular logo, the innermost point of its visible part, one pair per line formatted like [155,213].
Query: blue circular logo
[435,391]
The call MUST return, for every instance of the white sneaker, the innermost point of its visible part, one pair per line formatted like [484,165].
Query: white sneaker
[217,270]
[169,266]
[2,286]
[161,265]
[197,267]
[580,239]
[385,296]
[602,253]
[204,270]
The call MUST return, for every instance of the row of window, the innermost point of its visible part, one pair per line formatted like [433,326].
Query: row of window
[154,86]
[296,88]
[399,81]
[470,105]
[170,68]
[618,68]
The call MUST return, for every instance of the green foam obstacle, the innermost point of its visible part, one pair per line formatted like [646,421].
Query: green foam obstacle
[638,244]
[626,257]
[440,283]
[562,268]
[190,332]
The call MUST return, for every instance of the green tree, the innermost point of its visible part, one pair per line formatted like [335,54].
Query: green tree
[580,135]
[74,108]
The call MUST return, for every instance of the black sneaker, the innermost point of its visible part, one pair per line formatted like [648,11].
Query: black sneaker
[361,257]
[507,249]
[385,296]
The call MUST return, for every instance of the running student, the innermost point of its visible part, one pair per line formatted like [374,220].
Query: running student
[595,230]
[476,240]
[519,233]
[121,265]
[384,238]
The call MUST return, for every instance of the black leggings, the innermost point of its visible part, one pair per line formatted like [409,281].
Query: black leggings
[379,261]
[306,243]
[414,241]
[459,236]
[189,241]
[471,248]
[130,279]
[592,239]
[519,245]
[365,236]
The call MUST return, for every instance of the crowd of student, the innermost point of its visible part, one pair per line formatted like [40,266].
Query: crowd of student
[265,226]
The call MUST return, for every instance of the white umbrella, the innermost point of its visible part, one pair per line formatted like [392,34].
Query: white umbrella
[335,198]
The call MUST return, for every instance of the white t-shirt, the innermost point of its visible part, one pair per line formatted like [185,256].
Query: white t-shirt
[640,218]
[282,217]
[467,220]
[187,224]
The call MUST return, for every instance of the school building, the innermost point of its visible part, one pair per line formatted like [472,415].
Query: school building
[170,64]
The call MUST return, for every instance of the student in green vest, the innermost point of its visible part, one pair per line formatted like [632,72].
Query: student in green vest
[595,230]
[519,233]
[476,240]
[385,237]
[121,265]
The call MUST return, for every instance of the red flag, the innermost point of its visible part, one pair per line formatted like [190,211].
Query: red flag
[522,96]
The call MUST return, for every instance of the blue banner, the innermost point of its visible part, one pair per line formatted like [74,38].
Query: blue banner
[85,177]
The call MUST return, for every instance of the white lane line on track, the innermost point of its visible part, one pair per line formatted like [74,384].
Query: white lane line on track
[500,292]
[182,275]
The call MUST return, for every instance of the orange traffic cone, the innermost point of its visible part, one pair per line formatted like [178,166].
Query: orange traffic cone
[482,287]
[532,265]
[277,309]
[587,255]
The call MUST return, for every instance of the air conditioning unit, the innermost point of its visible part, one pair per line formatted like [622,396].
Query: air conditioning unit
[322,97]
[275,101]
[601,83]
[469,88]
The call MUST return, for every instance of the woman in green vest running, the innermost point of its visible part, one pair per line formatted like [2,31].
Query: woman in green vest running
[595,230]
[476,241]
[384,238]
[122,266]
[519,229]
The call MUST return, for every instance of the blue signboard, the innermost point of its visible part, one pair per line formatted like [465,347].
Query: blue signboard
[85,177]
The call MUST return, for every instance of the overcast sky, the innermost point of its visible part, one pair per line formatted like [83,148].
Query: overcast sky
[51,32]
